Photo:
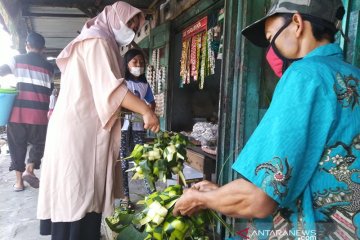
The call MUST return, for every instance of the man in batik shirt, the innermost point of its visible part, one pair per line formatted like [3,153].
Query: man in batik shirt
[300,169]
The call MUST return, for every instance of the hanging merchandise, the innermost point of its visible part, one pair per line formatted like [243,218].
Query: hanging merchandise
[157,65]
[184,62]
[156,76]
[154,57]
[149,76]
[221,18]
[215,43]
[203,67]
[193,60]
[161,79]
[211,54]
[151,73]
[221,48]
[197,55]
[221,15]
[160,105]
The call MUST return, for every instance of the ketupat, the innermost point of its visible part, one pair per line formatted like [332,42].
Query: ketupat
[162,224]
[158,222]
[120,219]
[160,159]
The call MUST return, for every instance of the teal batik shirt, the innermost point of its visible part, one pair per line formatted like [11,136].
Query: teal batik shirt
[305,152]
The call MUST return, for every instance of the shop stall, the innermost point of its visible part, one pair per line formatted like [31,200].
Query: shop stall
[194,84]
[184,71]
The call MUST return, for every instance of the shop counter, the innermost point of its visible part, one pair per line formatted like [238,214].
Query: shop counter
[201,161]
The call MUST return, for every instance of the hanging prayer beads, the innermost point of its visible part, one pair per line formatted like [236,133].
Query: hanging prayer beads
[156,76]
[150,77]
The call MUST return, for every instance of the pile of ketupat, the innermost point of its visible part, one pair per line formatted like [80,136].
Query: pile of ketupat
[156,221]
[160,159]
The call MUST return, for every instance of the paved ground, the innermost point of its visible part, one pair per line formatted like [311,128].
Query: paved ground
[17,209]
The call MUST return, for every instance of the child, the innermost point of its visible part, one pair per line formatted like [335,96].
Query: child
[132,131]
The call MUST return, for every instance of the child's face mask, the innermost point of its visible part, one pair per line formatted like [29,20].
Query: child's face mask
[136,71]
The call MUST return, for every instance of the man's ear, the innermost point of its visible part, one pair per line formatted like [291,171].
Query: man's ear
[299,21]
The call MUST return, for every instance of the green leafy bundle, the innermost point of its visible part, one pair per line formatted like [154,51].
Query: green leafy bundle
[160,159]
[156,221]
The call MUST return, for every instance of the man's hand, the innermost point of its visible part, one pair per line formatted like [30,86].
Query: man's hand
[188,204]
[239,198]
[151,122]
[205,186]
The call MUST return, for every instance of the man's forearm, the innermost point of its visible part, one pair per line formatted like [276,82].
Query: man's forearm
[240,199]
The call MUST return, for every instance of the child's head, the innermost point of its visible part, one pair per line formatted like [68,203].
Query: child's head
[134,63]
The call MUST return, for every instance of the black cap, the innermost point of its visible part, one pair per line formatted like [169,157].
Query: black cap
[35,40]
[332,11]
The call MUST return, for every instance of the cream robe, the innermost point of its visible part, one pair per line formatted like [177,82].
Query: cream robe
[83,138]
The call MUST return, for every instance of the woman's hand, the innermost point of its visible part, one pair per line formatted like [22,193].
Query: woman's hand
[151,122]
[134,104]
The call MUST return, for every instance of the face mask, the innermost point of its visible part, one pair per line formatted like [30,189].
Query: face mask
[276,60]
[124,35]
[136,71]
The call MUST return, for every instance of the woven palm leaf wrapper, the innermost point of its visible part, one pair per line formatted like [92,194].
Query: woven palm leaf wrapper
[120,219]
[161,224]
[156,221]
[160,159]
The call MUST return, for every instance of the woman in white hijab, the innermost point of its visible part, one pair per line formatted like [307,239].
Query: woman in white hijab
[77,176]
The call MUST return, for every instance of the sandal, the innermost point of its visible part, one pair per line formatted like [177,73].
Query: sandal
[32,180]
[18,189]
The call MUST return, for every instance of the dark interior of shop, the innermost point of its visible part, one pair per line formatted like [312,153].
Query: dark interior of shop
[190,104]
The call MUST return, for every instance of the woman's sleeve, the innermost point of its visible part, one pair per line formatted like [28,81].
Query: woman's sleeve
[108,86]
[284,151]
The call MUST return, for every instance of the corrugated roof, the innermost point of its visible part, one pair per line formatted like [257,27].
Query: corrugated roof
[57,30]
